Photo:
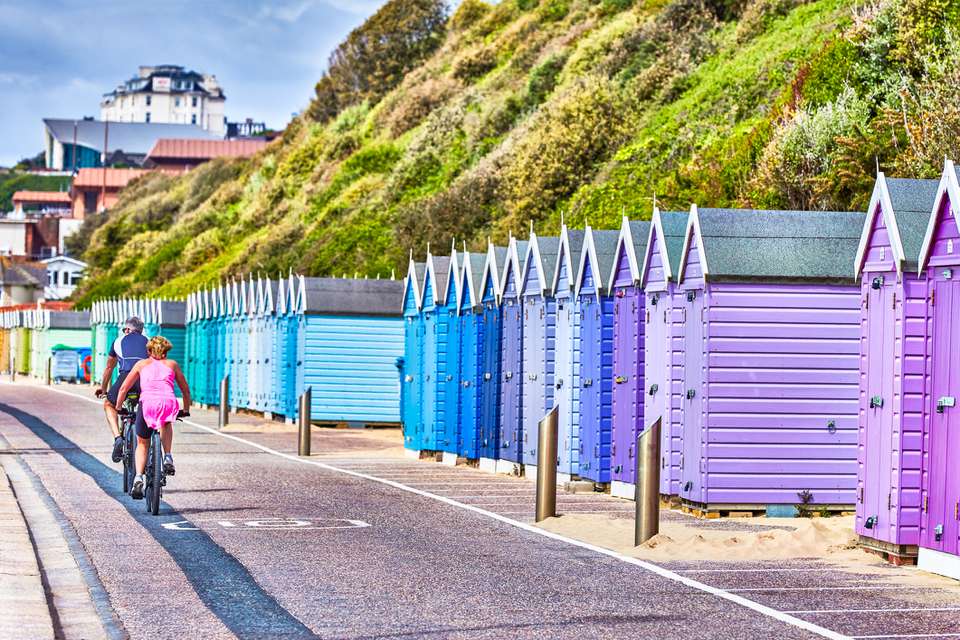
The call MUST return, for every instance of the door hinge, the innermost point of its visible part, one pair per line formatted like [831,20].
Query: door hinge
[894,305]
[648,316]
[933,298]
[889,501]
[860,494]
[956,511]
[926,501]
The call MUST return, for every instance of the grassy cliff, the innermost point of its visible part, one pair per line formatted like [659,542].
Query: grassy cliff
[526,111]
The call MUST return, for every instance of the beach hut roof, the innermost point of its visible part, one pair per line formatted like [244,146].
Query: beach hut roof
[474,265]
[493,263]
[437,270]
[600,246]
[632,239]
[948,187]
[905,205]
[350,296]
[570,246]
[745,244]
[68,319]
[414,280]
[513,263]
[543,251]
[452,280]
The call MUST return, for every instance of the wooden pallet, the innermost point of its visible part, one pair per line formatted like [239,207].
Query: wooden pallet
[896,554]
[710,511]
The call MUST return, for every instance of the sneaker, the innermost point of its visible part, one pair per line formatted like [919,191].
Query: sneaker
[138,483]
[117,449]
[168,467]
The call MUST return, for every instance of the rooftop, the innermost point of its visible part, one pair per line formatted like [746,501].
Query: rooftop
[115,178]
[198,149]
[131,137]
[41,197]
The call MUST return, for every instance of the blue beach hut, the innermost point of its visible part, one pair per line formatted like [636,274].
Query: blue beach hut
[567,353]
[411,415]
[352,335]
[278,327]
[539,324]
[434,347]
[291,348]
[448,312]
[471,330]
[511,359]
[596,353]
[491,332]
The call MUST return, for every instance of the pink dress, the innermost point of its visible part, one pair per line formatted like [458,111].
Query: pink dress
[157,397]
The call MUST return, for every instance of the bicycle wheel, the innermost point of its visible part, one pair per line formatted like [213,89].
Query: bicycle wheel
[155,480]
[129,462]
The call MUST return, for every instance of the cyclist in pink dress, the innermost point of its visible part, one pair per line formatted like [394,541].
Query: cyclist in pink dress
[158,404]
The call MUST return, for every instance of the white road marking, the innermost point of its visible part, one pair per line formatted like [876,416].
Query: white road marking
[770,570]
[860,588]
[273,524]
[529,528]
[905,610]
[910,635]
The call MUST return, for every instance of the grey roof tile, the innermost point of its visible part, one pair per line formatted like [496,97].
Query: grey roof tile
[605,244]
[912,202]
[674,225]
[350,296]
[69,320]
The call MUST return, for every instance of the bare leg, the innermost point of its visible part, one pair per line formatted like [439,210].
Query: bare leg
[112,419]
[143,444]
[166,437]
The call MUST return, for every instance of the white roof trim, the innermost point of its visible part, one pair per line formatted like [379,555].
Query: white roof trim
[533,249]
[411,281]
[453,273]
[880,198]
[949,187]
[625,239]
[563,251]
[466,283]
[589,251]
[490,271]
[512,258]
[693,225]
[430,275]
[656,232]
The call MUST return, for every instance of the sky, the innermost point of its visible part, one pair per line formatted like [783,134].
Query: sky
[58,57]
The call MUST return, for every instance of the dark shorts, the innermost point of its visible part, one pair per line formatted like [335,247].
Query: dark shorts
[114,390]
[142,430]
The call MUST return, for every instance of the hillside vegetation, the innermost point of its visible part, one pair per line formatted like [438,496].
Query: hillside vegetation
[525,111]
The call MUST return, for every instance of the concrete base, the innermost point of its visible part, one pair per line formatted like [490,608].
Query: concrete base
[623,490]
[563,478]
[938,562]
[449,459]
[488,464]
[412,453]
[508,467]
[530,471]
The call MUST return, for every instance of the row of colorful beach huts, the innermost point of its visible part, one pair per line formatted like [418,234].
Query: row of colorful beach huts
[792,358]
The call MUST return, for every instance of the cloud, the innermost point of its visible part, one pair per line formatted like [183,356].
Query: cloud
[288,13]
[14,79]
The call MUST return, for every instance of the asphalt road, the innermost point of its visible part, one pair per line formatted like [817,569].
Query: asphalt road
[253,544]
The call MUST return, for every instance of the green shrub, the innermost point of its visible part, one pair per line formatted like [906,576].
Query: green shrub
[554,10]
[475,64]
[543,79]
[468,14]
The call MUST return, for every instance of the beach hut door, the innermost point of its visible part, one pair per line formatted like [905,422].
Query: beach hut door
[692,398]
[942,496]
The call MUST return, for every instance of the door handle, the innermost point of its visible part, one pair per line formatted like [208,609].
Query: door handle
[691,393]
[877,402]
[620,379]
[654,388]
[945,402]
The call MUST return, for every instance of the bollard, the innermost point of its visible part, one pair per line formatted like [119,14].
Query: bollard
[13,368]
[647,496]
[303,422]
[223,416]
[49,367]
[547,466]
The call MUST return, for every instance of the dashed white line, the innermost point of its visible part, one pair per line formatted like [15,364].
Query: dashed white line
[652,568]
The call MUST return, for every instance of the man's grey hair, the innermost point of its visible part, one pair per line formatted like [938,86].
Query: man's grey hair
[134,324]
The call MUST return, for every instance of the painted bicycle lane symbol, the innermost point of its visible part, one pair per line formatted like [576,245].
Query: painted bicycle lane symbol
[271,523]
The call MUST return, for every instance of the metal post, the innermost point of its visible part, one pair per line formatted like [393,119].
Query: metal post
[49,367]
[303,422]
[223,416]
[13,368]
[647,494]
[547,466]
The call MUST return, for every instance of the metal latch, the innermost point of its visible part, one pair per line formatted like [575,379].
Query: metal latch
[620,379]
[653,389]
[877,282]
[876,402]
[487,376]
[508,375]
[408,378]
[654,299]
[832,426]
[449,377]
[938,532]
[532,376]
[466,383]
[691,393]
[691,296]
[588,382]
[559,383]
[944,402]
[870,522]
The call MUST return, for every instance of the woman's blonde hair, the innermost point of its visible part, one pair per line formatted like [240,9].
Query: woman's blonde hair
[158,347]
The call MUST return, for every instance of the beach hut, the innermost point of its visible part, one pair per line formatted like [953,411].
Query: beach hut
[53,331]
[412,385]
[940,482]
[448,312]
[278,327]
[658,376]
[491,331]
[511,358]
[770,359]
[291,346]
[434,350]
[567,352]
[893,350]
[596,353]
[470,331]
[352,337]
[628,383]
[539,323]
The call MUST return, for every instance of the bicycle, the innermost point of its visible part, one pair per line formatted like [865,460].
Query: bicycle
[128,416]
[156,477]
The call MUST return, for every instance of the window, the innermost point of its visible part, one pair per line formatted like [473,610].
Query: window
[193,119]
[148,117]
[149,98]
[176,101]
[75,278]
[193,101]
[51,277]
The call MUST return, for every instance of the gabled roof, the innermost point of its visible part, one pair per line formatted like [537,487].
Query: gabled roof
[452,280]
[543,251]
[437,269]
[632,239]
[472,276]
[68,319]
[131,137]
[570,246]
[745,244]
[350,296]
[600,247]
[41,197]
[21,273]
[905,205]
[948,187]
[413,280]
[512,263]
[493,264]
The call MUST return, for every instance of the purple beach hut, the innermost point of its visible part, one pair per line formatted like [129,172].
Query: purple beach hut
[596,353]
[511,359]
[940,480]
[893,352]
[567,354]
[628,360]
[539,320]
[663,393]
[771,330]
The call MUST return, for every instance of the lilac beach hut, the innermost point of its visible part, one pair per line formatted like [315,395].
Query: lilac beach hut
[663,395]
[940,485]
[567,353]
[771,328]
[893,350]
[511,359]
[628,361]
